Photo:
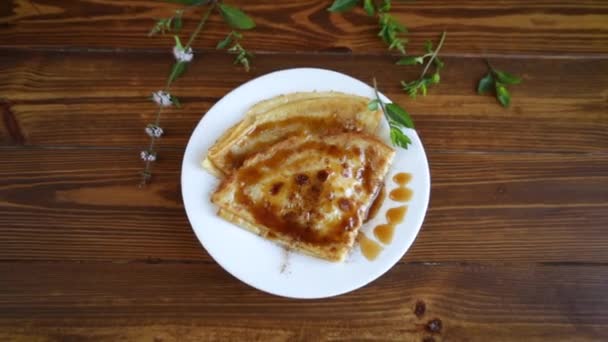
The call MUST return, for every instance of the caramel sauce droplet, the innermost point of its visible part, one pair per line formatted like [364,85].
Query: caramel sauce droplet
[402,178]
[384,233]
[396,215]
[401,194]
[370,248]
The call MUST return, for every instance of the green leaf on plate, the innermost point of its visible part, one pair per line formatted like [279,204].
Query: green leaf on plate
[398,138]
[399,115]
[373,105]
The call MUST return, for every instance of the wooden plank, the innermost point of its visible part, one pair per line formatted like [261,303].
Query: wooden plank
[66,204]
[569,27]
[109,108]
[201,301]
[8,120]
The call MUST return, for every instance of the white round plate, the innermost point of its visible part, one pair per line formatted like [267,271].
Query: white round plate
[264,264]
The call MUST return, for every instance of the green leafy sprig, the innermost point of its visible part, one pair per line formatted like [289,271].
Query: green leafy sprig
[243,56]
[497,81]
[390,29]
[397,118]
[234,17]
[422,84]
[171,24]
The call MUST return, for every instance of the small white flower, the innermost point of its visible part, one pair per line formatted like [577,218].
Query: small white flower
[154,131]
[183,55]
[147,156]
[162,98]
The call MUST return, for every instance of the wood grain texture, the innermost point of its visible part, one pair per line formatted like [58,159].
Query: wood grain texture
[74,204]
[84,99]
[569,27]
[176,302]
[514,245]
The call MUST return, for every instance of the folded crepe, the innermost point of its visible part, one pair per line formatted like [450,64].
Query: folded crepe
[310,193]
[296,114]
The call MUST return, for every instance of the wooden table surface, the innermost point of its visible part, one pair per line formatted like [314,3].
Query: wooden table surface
[515,241]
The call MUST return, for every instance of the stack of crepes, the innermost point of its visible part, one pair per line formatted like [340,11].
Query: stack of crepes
[302,169]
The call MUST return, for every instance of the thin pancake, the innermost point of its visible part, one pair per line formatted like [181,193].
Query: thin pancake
[309,116]
[310,193]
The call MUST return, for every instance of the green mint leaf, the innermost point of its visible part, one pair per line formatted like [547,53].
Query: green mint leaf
[410,60]
[178,69]
[235,17]
[394,43]
[178,42]
[222,44]
[342,5]
[423,89]
[154,30]
[428,46]
[245,63]
[386,6]
[506,78]
[438,63]
[368,6]
[502,94]
[436,78]
[373,105]
[177,21]
[413,92]
[486,84]
[188,2]
[389,31]
[399,115]
[398,138]
[161,26]
[176,102]
[411,87]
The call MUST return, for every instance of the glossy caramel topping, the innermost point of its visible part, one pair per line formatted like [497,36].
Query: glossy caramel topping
[307,197]
[396,215]
[401,194]
[370,248]
[402,178]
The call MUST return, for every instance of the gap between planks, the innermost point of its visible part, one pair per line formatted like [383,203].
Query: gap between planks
[157,51]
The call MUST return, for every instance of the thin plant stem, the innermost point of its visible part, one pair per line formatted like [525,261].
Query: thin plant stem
[199,27]
[434,55]
[378,97]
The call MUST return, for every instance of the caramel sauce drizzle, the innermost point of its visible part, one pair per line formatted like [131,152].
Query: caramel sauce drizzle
[370,248]
[385,232]
[401,194]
